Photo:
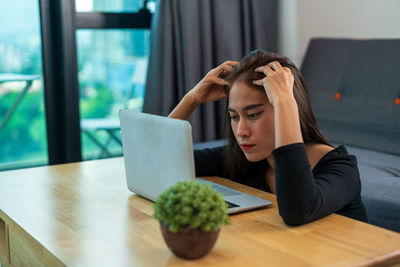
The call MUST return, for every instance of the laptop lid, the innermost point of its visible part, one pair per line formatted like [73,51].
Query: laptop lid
[156,151]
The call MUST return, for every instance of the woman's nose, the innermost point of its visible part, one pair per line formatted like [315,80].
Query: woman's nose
[242,129]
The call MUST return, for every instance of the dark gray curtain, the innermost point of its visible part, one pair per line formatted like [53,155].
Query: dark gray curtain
[190,37]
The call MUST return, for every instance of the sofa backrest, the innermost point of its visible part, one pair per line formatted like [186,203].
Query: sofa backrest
[353,87]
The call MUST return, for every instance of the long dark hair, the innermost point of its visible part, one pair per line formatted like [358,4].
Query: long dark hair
[236,162]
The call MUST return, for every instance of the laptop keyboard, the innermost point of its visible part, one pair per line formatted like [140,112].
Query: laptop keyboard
[231,205]
[224,191]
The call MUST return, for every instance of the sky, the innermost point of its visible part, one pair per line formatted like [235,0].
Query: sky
[19,16]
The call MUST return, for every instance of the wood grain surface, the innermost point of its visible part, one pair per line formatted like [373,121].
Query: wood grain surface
[82,214]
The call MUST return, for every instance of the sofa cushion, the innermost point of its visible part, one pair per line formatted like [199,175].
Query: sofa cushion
[375,164]
[366,74]
[382,201]
[380,186]
[209,144]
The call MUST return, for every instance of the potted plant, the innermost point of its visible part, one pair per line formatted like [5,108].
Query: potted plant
[191,215]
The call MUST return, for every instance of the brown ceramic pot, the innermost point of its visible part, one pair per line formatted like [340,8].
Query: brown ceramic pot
[189,243]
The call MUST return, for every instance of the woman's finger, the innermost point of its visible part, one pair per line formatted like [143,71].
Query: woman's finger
[230,63]
[226,67]
[288,70]
[223,70]
[259,82]
[265,69]
[219,81]
[275,65]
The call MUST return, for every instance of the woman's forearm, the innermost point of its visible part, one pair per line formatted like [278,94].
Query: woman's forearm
[185,108]
[209,89]
[287,122]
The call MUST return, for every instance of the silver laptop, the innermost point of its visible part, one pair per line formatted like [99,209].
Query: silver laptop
[158,153]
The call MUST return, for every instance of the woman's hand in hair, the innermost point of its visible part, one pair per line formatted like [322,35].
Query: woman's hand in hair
[278,83]
[211,87]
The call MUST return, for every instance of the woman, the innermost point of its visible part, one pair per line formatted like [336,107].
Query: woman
[274,143]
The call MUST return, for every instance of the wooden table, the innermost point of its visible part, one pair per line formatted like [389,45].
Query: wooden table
[82,214]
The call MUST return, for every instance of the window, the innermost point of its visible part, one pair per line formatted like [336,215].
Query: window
[112,72]
[66,60]
[112,66]
[23,139]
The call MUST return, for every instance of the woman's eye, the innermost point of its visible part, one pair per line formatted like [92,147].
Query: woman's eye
[233,117]
[254,115]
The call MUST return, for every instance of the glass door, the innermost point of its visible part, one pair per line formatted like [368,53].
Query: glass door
[112,66]
[112,75]
[23,141]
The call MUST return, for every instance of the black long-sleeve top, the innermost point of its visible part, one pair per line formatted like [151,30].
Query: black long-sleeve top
[303,195]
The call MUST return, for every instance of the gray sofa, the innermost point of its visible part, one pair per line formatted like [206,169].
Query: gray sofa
[364,116]
[366,74]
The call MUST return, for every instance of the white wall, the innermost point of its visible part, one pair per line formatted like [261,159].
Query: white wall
[301,20]
[287,28]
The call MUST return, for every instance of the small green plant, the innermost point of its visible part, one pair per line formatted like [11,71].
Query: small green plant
[192,205]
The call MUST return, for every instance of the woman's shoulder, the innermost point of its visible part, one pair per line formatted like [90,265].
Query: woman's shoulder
[317,152]
[329,156]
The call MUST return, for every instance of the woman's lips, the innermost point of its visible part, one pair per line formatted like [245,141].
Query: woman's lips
[246,147]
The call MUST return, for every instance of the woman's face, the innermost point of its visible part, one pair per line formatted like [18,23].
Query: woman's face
[252,121]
